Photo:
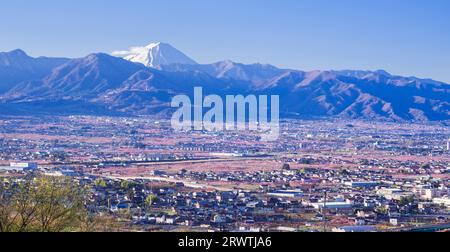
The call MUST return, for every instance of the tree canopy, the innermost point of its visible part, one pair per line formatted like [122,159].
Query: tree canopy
[41,204]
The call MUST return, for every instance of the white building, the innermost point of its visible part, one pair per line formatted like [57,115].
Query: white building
[286,193]
[333,205]
[393,221]
[24,165]
[19,167]
[444,201]
[394,193]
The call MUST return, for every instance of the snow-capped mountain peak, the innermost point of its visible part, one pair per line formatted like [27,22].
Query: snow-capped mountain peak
[155,55]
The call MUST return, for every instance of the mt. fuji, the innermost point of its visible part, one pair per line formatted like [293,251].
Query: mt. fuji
[155,55]
[143,81]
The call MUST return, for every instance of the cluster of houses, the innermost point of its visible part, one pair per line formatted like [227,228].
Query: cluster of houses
[345,177]
[285,199]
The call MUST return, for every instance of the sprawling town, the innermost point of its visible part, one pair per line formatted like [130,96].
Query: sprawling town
[329,175]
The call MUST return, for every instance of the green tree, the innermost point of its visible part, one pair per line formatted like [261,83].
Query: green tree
[151,198]
[100,183]
[7,213]
[404,201]
[126,184]
[59,203]
[41,204]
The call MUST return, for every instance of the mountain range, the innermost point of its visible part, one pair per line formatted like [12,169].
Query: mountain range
[16,66]
[143,80]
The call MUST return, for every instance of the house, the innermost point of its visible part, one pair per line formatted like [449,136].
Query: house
[362,184]
[286,193]
[443,201]
[19,167]
[393,221]
[332,205]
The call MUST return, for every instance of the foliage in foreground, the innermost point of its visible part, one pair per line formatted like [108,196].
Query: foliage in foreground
[44,204]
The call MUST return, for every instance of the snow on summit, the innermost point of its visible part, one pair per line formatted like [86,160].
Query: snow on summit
[155,55]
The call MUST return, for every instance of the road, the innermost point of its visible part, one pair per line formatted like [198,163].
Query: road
[146,163]
[188,184]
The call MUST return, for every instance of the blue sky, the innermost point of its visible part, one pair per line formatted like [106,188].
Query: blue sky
[407,37]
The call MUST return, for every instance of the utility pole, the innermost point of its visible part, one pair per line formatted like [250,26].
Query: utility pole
[323,212]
